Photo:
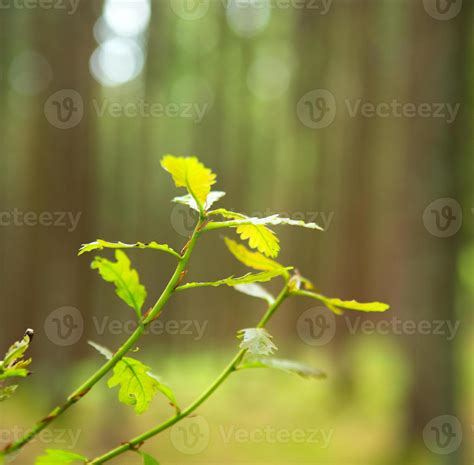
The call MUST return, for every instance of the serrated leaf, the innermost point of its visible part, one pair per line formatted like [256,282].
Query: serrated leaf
[277,220]
[17,350]
[338,306]
[101,349]
[100,244]
[148,459]
[255,290]
[288,366]
[190,173]
[254,260]
[189,201]
[246,279]
[59,457]
[125,278]
[138,386]
[257,341]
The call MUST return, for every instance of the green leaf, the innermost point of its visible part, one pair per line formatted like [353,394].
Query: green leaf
[255,290]
[246,279]
[100,244]
[189,201]
[14,365]
[257,341]
[138,386]
[190,173]
[288,366]
[338,306]
[125,278]
[148,459]
[59,457]
[254,260]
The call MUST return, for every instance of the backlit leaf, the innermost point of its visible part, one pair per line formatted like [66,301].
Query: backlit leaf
[138,386]
[231,281]
[255,290]
[189,201]
[190,173]
[254,260]
[288,366]
[59,457]
[125,278]
[257,341]
[100,244]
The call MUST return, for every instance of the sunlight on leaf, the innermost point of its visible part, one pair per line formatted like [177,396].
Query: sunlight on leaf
[100,244]
[251,259]
[190,173]
[255,290]
[189,201]
[257,341]
[59,457]
[288,366]
[125,278]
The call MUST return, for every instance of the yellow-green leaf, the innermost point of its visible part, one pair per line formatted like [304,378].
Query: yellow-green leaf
[125,278]
[246,279]
[257,341]
[190,173]
[254,260]
[100,244]
[138,386]
[59,457]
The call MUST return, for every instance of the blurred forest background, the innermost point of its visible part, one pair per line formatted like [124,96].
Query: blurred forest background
[230,82]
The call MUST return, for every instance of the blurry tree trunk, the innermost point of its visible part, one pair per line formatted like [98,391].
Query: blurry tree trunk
[60,176]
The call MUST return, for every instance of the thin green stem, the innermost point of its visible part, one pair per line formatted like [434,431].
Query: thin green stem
[152,314]
[137,442]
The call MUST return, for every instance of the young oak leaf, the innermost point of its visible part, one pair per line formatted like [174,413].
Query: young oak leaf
[255,290]
[254,260]
[14,365]
[190,173]
[125,278]
[246,279]
[137,386]
[156,382]
[59,457]
[257,341]
[338,306]
[189,201]
[252,229]
[288,366]
[100,244]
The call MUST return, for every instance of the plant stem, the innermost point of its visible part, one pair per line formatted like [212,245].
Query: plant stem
[153,313]
[137,442]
